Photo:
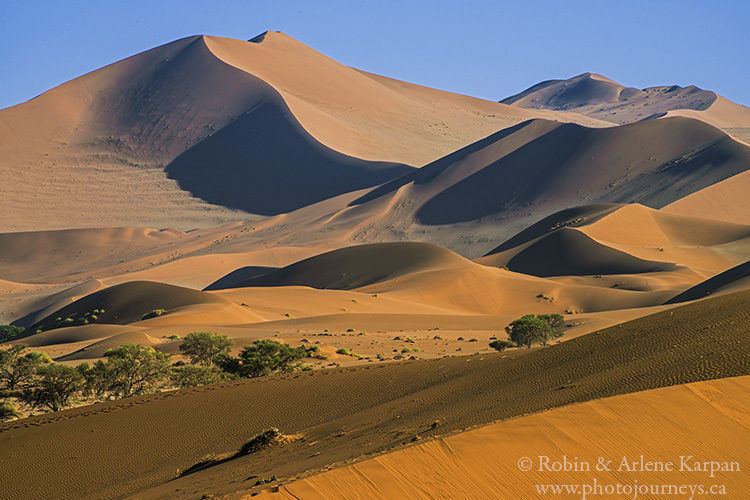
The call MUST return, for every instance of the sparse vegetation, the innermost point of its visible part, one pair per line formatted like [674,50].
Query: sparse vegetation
[8,411]
[266,439]
[153,314]
[501,345]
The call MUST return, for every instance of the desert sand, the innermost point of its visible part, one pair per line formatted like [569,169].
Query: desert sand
[262,190]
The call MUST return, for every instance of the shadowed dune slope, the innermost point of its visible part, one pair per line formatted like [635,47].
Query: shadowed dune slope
[566,252]
[266,163]
[236,277]
[737,277]
[359,266]
[376,407]
[483,462]
[570,217]
[573,164]
[128,302]
[546,166]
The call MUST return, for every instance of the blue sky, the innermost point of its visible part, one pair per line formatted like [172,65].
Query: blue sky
[488,49]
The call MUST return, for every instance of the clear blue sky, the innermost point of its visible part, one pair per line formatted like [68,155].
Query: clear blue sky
[488,49]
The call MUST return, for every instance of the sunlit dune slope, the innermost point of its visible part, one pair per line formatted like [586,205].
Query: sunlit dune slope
[483,462]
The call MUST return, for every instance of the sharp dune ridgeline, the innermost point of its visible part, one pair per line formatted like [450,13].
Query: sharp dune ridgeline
[405,289]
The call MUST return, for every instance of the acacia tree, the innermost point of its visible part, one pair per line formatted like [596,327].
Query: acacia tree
[203,347]
[528,330]
[55,388]
[264,357]
[133,369]
[18,367]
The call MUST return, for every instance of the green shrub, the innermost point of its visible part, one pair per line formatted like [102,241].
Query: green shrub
[153,314]
[265,439]
[501,345]
[8,411]
[263,357]
[9,332]
[530,329]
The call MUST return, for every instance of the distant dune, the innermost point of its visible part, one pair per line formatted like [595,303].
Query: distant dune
[599,97]
[736,278]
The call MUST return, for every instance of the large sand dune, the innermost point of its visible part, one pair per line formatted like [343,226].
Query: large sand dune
[343,414]
[183,134]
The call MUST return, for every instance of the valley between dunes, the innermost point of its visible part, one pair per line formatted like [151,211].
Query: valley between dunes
[261,190]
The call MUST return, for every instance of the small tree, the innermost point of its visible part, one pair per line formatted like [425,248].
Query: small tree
[265,357]
[203,347]
[528,330]
[55,388]
[18,367]
[501,345]
[133,369]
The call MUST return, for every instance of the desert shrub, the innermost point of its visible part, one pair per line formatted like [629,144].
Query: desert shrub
[265,439]
[193,376]
[133,369]
[153,314]
[265,357]
[9,332]
[501,345]
[529,329]
[203,347]
[55,388]
[8,411]
[18,367]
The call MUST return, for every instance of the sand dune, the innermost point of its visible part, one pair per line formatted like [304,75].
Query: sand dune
[371,409]
[484,462]
[621,239]
[140,136]
[599,97]
[493,187]
[725,200]
[128,302]
[566,252]
[359,266]
[736,278]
